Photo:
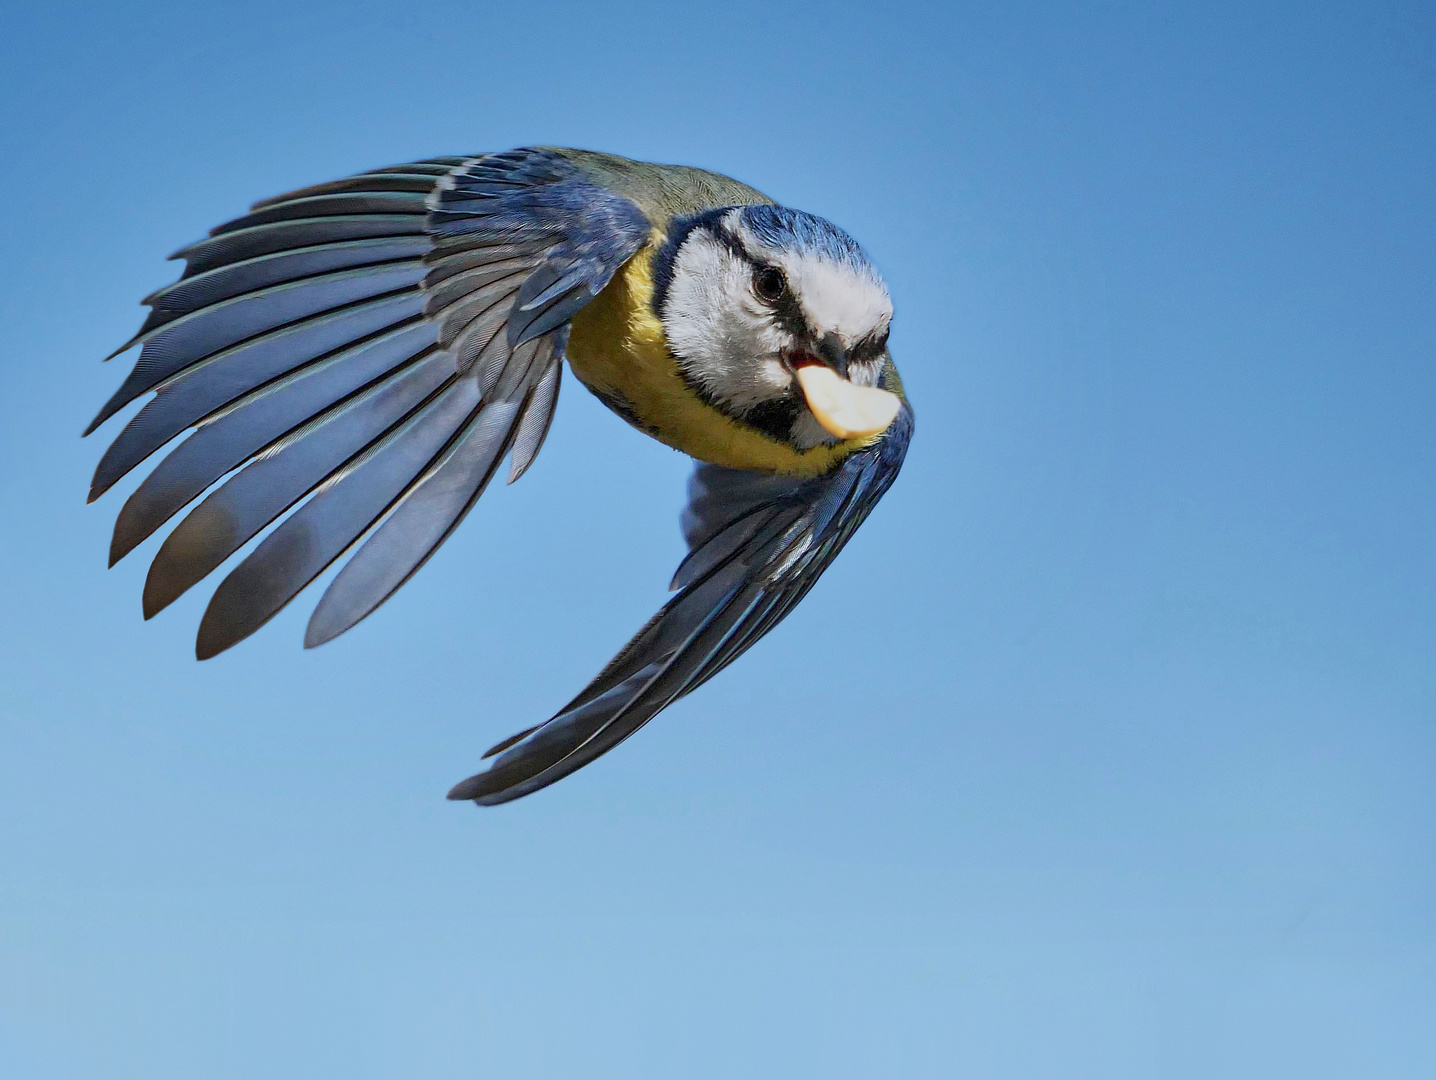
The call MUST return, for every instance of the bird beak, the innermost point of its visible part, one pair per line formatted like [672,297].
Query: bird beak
[831,351]
[846,411]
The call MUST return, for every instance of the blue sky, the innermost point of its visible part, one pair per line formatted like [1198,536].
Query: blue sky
[1105,750]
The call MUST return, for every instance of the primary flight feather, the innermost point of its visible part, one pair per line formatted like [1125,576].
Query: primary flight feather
[363,355]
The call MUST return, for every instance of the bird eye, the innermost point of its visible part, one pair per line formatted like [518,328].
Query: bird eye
[769,283]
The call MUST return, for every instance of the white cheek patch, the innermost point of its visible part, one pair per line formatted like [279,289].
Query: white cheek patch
[691,308]
[723,337]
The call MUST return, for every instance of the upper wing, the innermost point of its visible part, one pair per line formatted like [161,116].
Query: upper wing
[375,345]
[757,544]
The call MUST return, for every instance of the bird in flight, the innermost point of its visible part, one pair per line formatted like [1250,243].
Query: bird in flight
[359,358]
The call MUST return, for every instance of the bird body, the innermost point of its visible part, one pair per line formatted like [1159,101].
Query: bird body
[358,359]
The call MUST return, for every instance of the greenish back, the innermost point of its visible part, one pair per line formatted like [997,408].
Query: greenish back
[662,192]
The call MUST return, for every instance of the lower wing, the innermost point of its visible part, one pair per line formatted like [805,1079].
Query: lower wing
[757,544]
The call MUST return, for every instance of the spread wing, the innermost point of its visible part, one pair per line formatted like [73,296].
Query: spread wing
[757,544]
[360,355]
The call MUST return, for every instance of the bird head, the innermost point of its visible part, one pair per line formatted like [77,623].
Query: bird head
[777,318]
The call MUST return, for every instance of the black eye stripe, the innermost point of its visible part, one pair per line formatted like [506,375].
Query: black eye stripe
[870,347]
[788,314]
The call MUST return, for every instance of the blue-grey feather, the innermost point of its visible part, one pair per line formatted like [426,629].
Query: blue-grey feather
[268,486]
[719,549]
[437,166]
[446,285]
[422,521]
[482,348]
[410,179]
[215,251]
[191,294]
[224,443]
[201,333]
[526,326]
[548,283]
[320,206]
[596,231]
[316,534]
[478,313]
[534,424]
[178,347]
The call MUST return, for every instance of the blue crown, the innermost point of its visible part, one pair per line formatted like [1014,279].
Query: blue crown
[785,229]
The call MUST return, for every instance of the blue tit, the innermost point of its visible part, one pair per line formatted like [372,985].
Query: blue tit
[359,358]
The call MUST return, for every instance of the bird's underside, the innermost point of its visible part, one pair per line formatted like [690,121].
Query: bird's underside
[359,358]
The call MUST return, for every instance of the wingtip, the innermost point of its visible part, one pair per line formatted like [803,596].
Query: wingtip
[126,538]
[322,629]
[153,599]
[464,790]
[93,425]
[104,478]
[183,252]
[117,402]
[123,348]
[211,641]
[503,744]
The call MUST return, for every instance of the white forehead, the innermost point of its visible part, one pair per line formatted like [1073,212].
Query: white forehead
[835,295]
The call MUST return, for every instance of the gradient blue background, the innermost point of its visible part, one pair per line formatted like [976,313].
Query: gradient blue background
[1105,750]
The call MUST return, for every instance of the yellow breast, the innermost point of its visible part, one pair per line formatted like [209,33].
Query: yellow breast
[617,349]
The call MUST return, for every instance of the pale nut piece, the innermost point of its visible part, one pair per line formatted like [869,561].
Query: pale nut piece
[846,411]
